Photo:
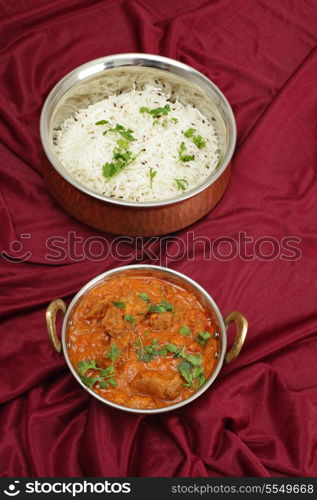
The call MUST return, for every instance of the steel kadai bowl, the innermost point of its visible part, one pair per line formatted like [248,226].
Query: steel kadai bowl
[175,278]
[93,81]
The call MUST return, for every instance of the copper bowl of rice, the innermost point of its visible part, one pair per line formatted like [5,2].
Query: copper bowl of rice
[137,144]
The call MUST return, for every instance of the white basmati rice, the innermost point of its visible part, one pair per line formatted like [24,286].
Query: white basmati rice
[83,149]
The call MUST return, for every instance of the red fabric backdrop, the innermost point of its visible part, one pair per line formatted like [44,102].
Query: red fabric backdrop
[260,417]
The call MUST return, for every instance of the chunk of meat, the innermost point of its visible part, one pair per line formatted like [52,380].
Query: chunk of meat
[96,310]
[161,321]
[157,385]
[114,323]
[135,306]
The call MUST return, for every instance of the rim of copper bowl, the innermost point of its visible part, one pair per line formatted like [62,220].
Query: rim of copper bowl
[134,59]
[92,283]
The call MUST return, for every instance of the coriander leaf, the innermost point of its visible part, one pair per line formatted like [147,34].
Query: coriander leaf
[201,379]
[113,353]
[186,158]
[182,353]
[163,307]
[107,371]
[205,335]
[157,308]
[185,330]
[129,318]
[189,132]
[197,371]
[112,382]
[184,369]
[202,338]
[144,296]
[175,120]
[156,112]
[102,383]
[160,111]
[201,341]
[162,352]
[171,347]
[85,365]
[181,156]
[91,381]
[194,360]
[181,184]
[102,122]
[119,154]
[167,305]
[127,134]
[199,141]
[109,170]
[122,143]
[152,175]
[120,305]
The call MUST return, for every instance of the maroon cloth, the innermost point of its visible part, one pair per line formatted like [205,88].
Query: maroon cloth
[260,416]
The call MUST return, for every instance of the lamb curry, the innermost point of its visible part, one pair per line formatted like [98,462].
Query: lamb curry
[142,342]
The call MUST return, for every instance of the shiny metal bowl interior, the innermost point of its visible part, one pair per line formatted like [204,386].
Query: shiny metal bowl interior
[175,278]
[96,79]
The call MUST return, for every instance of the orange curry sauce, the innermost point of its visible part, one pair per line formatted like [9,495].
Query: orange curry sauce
[142,342]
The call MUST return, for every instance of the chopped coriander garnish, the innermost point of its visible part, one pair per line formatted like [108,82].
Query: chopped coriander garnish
[122,160]
[182,353]
[147,353]
[181,184]
[144,296]
[112,382]
[190,366]
[189,132]
[183,157]
[171,348]
[119,304]
[202,338]
[129,318]
[160,111]
[122,143]
[102,122]
[107,371]
[167,305]
[157,308]
[85,365]
[113,353]
[104,378]
[205,335]
[185,330]
[91,381]
[175,120]
[185,369]
[199,141]
[194,360]
[163,307]
[126,133]
[152,175]
[156,112]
